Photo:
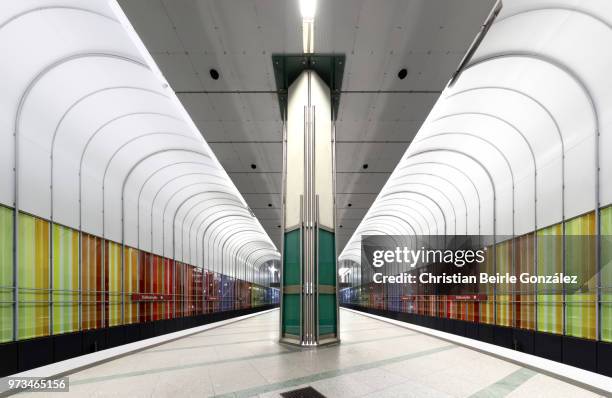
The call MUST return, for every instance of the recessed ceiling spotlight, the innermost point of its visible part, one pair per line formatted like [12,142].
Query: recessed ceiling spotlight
[365,166]
[402,73]
[214,74]
[253,166]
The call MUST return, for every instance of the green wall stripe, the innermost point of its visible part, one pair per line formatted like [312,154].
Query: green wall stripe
[6,274]
[65,279]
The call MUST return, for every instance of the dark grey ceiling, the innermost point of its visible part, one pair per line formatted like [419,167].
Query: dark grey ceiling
[239,116]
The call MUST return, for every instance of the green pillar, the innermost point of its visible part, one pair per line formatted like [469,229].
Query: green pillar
[309,302]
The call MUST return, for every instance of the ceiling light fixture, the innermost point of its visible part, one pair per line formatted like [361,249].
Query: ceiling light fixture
[308,8]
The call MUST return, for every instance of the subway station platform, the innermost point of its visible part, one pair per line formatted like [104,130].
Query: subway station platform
[306,198]
[375,359]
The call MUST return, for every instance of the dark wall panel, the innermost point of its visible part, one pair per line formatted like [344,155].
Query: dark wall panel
[115,336]
[66,346]
[93,340]
[580,353]
[9,359]
[548,346]
[34,353]
[524,341]
[503,336]
[485,333]
[604,358]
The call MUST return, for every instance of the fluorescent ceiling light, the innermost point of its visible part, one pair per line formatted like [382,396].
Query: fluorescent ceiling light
[308,8]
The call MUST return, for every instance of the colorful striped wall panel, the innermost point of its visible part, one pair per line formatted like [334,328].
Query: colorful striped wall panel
[606,273]
[487,306]
[112,274]
[504,299]
[550,297]
[65,281]
[130,284]
[524,262]
[580,260]
[33,277]
[91,282]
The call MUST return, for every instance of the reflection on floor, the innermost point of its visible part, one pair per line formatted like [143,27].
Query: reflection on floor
[375,359]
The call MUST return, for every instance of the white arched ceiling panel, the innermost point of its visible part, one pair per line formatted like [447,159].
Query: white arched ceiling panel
[440,191]
[46,30]
[115,151]
[114,165]
[139,214]
[481,135]
[75,143]
[451,180]
[195,212]
[550,36]
[538,133]
[231,258]
[538,87]
[207,222]
[146,187]
[39,120]
[403,213]
[570,115]
[172,195]
[225,240]
[467,164]
[481,155]
[426,192]
[59,132]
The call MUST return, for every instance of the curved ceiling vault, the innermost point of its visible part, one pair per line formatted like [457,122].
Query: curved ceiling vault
[99,142]
[522,127]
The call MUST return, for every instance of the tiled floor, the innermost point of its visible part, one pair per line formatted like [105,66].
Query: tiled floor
[375,359]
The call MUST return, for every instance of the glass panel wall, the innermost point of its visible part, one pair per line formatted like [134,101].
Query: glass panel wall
[69,281]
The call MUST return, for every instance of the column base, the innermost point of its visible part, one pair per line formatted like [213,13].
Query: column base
[297,343]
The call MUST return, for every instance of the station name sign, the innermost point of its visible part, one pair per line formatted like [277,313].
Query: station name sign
[151,297]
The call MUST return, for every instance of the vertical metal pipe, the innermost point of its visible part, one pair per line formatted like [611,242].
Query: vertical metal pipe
[301,264]
[16,238]
[50,288]
[282,232]
[597,241]
[316,274]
